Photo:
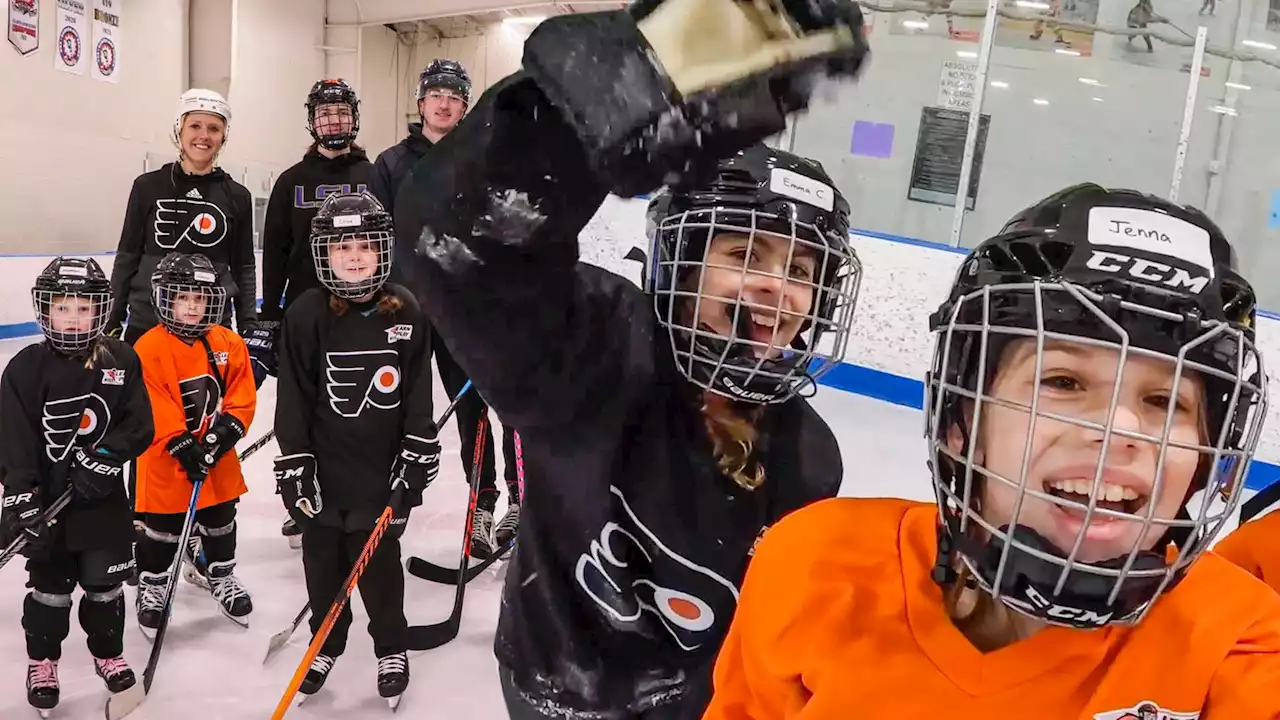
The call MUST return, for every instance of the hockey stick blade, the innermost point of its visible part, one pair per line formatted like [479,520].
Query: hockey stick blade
[431,572]
[280,639]
[1265,498]
[125,701]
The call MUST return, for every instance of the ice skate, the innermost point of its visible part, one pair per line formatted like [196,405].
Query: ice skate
[115,672]
[393,678]
[481,531]
[291,531]
[194,568]
[149,605]
[42,685]
[230,594]
[315,677]
[505,531]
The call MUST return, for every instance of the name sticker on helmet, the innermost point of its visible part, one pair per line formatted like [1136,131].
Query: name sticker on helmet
[794,185]
[75,270]
[346,221]
[203,276]
[1151,231]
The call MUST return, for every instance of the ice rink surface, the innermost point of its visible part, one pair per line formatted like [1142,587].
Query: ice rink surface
[211,668]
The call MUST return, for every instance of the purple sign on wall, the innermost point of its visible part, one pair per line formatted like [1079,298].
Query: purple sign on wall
[872,139]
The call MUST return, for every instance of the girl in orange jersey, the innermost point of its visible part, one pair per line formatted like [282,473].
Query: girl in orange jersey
[1252,546]
[1094,395]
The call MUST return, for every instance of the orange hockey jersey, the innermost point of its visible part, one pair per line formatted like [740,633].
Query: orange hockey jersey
[840,619]
[185,396]
[1254,547]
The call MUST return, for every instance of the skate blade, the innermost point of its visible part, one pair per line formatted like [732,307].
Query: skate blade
[295,542]
[43,712]
[126,701]
[394,702]
[191,575]
[242,622]
[148,633]
[302,698]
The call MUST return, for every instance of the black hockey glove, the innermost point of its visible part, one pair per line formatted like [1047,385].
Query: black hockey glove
[96,473]
[298,488]
[415,467]
[260,337]
[703,79]
[222,436]
[191,455]
[23,516]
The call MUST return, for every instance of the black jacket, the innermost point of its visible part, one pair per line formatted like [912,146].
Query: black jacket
[632,545]
[389,172]
[287,268]
[171,211]
[351,386]
[42,393]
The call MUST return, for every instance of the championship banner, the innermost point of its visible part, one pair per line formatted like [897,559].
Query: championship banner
[72,36]
[24,25]
[105,61]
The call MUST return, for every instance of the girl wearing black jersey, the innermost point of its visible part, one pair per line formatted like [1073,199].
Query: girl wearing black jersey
[663,432]
[353,421]
[73,411]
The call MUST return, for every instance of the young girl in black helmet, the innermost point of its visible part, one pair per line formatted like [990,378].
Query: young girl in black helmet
[663,432]
[1094,398]
[353,420]
[73,411]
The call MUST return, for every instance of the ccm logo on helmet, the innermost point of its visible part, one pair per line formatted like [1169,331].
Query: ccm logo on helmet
[1146,270]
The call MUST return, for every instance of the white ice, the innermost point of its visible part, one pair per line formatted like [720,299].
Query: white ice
[212,669]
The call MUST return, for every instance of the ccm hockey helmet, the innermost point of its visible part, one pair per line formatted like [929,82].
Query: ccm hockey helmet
[328,132]
[186,294]
[446,74]
[72,299]
[351,241]
[201,100]
[785,285]
[1154,285]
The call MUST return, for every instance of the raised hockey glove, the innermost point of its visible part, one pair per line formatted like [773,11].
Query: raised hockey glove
[260,337]
[22,516]
[702,79]
[96,473]
[416,467]
[298,488]
[191,455]
[222,436]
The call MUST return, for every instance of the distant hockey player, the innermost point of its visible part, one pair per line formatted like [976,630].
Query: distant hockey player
[202,394]
[74,411]
[663,433]
[444,94]
[188,206]
[353,421]
[333,164]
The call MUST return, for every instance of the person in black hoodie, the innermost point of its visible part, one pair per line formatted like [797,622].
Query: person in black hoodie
[663,432]
[444,94]
[188,206]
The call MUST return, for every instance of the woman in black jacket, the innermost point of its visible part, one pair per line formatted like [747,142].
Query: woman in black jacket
[187,206]
[657,446]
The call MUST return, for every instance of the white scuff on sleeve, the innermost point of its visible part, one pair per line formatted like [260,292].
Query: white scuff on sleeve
[512,217]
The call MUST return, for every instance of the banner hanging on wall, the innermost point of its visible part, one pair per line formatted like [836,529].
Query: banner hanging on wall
[24,25]
[106,40]
[72,35]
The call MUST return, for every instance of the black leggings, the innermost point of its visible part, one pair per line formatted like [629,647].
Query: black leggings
[328,554]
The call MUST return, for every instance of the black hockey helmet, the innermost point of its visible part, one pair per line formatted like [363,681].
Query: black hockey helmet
[447,74]
[759,192]
[69,326]
[347,222]
[1096,268]
[332,92]
[187,295]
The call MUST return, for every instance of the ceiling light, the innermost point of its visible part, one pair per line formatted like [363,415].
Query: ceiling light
[1097,99]
[523,19]
[966,54]
[1063,51]
[1223,109]
[1032,5]
[1040,101]
[999,84]
[916,24]
[1090,81]
[1238,86]
[1258,44]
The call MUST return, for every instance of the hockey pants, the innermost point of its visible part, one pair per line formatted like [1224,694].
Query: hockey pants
[215,525]
[46,611]
[328,554]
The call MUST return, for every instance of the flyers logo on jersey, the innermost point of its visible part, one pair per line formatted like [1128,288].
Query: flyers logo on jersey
[61,418]
[198,222]
[200,401]
[362,378]
[399,332]
[1146,710]
[113,376]
[630,574]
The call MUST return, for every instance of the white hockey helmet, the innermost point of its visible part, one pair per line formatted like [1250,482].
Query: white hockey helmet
[201,100]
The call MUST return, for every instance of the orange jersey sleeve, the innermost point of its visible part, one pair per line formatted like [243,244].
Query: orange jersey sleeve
[241,399]
[860,629]
[1255,546]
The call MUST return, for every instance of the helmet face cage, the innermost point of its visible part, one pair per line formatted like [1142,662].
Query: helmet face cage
[85,312]
[1122,588]
[325,114]
[172,302]
[352,265]
[738,365]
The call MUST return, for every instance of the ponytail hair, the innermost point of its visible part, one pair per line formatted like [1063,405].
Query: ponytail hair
[732,429]
[388,304]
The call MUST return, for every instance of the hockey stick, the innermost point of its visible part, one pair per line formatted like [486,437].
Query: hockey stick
[257,445]
[426,637]
[1265,498]
[280,639]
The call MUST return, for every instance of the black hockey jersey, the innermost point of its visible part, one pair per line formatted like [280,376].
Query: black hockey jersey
[46,400]
[171,211]
[390,170]
[632,545]
[287,267]
[350,388]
